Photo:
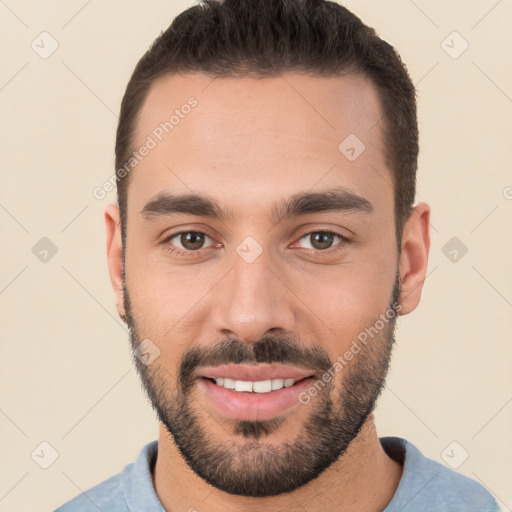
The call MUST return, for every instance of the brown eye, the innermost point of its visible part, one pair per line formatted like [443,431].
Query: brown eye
[185,242]
[191,240]
[323,240]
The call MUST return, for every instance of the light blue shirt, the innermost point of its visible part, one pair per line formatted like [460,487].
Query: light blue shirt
[425,486]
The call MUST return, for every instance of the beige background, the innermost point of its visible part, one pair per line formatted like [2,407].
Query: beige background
[66,375]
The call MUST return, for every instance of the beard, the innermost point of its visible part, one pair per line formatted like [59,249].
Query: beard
[246,465]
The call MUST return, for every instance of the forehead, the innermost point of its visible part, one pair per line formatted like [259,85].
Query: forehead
[248,138]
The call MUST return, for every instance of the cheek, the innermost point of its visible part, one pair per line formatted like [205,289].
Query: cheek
[165,309]
[348,298]
[159,293]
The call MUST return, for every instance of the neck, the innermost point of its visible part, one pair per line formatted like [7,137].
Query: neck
[364,478]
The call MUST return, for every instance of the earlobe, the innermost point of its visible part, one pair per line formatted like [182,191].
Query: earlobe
[414,257]
[114,254]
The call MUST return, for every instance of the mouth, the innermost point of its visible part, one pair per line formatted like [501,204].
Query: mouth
[255,373]
[260,386]
[266,395]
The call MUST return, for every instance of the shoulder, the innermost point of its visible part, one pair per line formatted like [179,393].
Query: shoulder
[107,495]
[428,485]
[131,489]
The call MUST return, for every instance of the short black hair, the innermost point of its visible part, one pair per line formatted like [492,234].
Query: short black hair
[264,38]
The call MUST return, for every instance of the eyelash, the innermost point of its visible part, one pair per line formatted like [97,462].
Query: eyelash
[316,252]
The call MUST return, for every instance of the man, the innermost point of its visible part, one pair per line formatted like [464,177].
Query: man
[264,242]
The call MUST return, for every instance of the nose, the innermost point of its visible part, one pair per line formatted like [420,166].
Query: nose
[252,300]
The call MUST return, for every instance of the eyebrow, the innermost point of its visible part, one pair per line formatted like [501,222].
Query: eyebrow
[338,199]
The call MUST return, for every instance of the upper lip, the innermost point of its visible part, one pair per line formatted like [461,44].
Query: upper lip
[254,373]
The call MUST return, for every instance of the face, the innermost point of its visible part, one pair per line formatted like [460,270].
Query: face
[273,272]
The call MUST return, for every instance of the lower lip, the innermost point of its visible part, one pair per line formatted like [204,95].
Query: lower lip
[239,405]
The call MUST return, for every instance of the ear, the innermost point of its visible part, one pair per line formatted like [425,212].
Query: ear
[115,255]
[414,257]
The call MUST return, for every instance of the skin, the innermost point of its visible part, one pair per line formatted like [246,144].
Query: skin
[248,144]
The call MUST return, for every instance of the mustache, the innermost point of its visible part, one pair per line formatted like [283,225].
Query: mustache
[270,349]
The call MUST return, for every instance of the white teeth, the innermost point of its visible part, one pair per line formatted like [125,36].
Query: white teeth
[277,384]
[262,386]
[228,383]
[243,385]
